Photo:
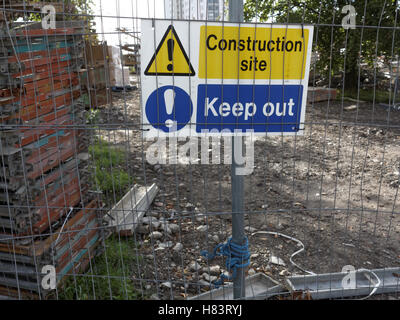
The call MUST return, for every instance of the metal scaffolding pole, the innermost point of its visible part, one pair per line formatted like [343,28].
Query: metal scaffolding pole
[238,237]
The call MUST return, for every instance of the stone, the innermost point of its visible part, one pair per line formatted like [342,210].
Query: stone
[189,206]
[199,218]
[251,272]
[203,228]
[149,220]
[142,229]
[284,272]
[166,245]
[350,107]
[167,284]
[178,247]
[215,270]
[174,227]
[154,296]
[208,277]
[215,238]
[167,229]
[203,283]
[154,214]
[276,260]
[155,224]
[146,220]
[250,229]
[156,235]
[254,256]
[194,266]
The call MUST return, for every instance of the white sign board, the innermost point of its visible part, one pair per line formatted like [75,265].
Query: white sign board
[222,78]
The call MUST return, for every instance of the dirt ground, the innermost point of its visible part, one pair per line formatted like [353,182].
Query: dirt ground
[335,188]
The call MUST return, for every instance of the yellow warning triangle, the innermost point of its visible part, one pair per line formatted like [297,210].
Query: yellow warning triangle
[170,58]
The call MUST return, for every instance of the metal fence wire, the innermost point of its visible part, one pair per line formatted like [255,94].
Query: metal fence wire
[86,214]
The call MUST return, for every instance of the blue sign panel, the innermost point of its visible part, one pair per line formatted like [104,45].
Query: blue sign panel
[261,108]
[169,115]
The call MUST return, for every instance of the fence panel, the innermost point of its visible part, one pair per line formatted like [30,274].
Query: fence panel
[94,207]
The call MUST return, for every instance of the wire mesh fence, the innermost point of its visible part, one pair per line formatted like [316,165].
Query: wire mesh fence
[93,207]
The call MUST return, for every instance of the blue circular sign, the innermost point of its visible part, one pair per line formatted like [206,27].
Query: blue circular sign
[169,108]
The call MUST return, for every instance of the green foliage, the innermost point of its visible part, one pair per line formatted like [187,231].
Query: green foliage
[79,7]
[110,277]
[107,168]
[116,179]
[338,49]
[73,10]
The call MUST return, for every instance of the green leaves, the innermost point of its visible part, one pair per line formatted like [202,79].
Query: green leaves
[338,49]
[107,169]
[109,277]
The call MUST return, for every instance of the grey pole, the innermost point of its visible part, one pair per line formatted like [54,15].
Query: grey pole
[238,237]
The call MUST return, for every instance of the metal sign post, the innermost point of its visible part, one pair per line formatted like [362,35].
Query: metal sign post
[238,237]
[245,56]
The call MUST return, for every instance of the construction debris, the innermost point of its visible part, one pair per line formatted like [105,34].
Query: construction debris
[258,287]
[335,285]
[127,214]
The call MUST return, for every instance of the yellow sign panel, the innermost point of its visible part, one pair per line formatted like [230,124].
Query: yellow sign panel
[252,52]
[170,58]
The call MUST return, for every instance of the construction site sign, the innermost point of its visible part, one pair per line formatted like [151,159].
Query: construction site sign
[224,78]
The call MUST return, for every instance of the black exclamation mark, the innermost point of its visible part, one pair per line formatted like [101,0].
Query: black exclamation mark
[170,44]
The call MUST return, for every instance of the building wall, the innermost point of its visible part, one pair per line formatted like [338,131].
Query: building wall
[194,9]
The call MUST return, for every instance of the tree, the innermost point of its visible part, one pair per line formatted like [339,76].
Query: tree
[69,10]
[339,50]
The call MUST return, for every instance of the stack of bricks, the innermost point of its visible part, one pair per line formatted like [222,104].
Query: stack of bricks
[47,215]
[95,77]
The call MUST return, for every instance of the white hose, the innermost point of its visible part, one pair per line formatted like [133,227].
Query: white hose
[290,238]
[376,286]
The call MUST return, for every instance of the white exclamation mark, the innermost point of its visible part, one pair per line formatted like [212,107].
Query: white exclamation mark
[169,98]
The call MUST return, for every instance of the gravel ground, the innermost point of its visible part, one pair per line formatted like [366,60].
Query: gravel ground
[334,188]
